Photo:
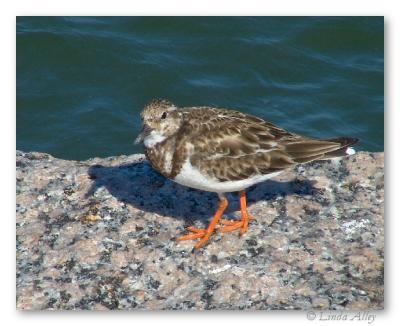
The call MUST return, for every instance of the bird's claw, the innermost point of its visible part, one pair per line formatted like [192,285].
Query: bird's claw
[196,233]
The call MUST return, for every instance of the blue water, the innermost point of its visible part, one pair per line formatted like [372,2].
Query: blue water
[82,81]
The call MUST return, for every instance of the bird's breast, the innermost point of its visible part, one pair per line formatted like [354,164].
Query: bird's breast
[161,159]
[167,157]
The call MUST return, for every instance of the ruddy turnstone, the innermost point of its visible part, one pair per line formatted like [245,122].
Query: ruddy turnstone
[221,150]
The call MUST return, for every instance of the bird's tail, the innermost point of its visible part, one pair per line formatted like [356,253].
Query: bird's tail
[344,150]
[312,150]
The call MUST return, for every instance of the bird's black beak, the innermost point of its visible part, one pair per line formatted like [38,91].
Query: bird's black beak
[146,130]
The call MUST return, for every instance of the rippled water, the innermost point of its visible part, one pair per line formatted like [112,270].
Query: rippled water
[82,81]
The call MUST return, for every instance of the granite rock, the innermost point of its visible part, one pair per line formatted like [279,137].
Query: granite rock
[99,234]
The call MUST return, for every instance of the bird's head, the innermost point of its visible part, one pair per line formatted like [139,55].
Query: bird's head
[160,119]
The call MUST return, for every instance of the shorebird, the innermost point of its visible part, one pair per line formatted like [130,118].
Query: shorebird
[222,150]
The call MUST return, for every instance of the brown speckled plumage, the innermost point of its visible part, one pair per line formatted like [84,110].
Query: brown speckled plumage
[229,145]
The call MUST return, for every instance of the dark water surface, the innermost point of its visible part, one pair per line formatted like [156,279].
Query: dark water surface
[82,81]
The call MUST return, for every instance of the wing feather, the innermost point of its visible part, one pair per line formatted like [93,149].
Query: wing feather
[230,145]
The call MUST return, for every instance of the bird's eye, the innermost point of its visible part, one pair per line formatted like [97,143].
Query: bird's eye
[164,115]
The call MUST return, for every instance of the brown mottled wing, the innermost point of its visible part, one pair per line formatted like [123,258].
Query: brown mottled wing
[230,145]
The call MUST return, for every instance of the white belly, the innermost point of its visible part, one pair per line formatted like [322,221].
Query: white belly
[191,177]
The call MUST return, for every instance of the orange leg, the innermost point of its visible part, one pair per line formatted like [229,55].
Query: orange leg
[205,234]
[244,222]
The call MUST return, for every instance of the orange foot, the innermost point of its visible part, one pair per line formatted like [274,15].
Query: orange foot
[232,225]
[205,234]
[243,223]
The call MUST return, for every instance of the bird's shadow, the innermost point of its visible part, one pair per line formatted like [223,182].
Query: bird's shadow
[139,185]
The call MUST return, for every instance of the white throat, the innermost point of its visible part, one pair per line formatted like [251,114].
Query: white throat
[153,139]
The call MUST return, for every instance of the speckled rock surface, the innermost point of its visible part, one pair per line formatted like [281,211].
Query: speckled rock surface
[99,234]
